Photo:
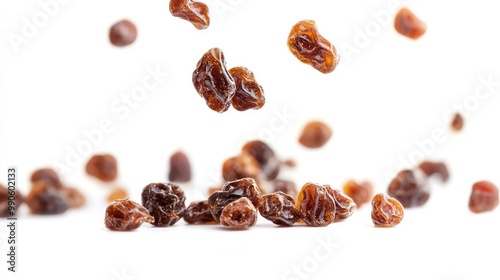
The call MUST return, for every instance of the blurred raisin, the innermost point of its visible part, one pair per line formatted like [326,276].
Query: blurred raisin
[361,193]
[241,166]
[484,197]
[117,193]
[290,163]
[279,208]
[18,200]
[180,169]
[344,205]
[249,94]
[124,215]
[408,189]
[407,24]
[316,205]
[195,12]
[48,175]
[213,82]
[43,199]
[267,161]
[285,186]
[198,213]
[386,211]
[457,122]
[306,44]
[239,214]
[165,202]
[74,197]
[102,167]
[435,168]
[315,134]
[122,33]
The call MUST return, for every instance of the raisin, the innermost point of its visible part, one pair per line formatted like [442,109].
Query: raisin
[165,202]
[122,33]
[4,202]
[316,205]
[43,199]
[74,197]
[307,45]
[344,205]
[361,193]
[279,208]
[290,163]
[285,186]
[180,169]
[457,122]
[249,94]
[213,82]
[408,189]
[195,12]
[435,168]
[239,214]
[386,211]
[102,167]
[48,175]
[484,197]
[241,166]
[267,161]
[315,134]
[407,24]
[211,190]
[198,213]
[117,193]
[125,215]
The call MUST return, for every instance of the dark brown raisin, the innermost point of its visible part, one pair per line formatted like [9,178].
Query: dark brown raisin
[10,201]
[48,175]
[125,215]
[457,122]
[268,163]
[195,12]
[249,94]
[122,33]
[407,24]
[74,197]
[431,168]
[165,202]
[43,199]
[103,167]
[484,197]
[344,205]
[213,82]
[315,134]
[285,186]
[198,213]
[361,193]
[180,168]
[117,193]
[409,189]
[279,208]
[241,166]
[316,205]
[386,211]
[306,44]
[239,214]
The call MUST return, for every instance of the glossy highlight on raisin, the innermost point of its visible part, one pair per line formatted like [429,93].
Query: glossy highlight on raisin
[386,211]
[316,205]
[249,94]
[103,167]
[165,202]
[267,160]
[361,193]
[195,12]
[344,205]
[180,168]
[198,212]
[315,134]
[126,215]
[408,24]
[239,214]
[408,189]
[484,197]
[279,208]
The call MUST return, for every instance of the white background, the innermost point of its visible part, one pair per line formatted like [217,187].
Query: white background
[381,100]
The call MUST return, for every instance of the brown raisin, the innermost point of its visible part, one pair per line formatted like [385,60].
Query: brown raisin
[315,134]
[249,94]
[241,166]
[180,168]
[195,12]
[316,205]
[290,163]
[457,122]
[48,175]
[431,168]
[307,45]
[408,189]
[103,167]
[239,214]
[213,82]
[361,193]
[484,197]
[165,202]
[125,215]
[279,208]
[7,210]
[122,33]
[268,163]
[43,199]
[344,205]
[285,186]
[117,193]
[74,197]
[386,211]
[409,25]
[198,212]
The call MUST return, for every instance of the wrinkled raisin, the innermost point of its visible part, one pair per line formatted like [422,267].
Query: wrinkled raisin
[268,163]
[285,186]
[435,168]
[315,134]
[249,94]
[386,211]
[279,208]
[198,213]
[124,215]
[457,122]
[484,197]
[239,214]
[180,168]
[102,167]
[307,45]
[122,33]
[344,205]
[43,199]
[4,202]
[316,205]
[195,12]
[213,82]
[409,189]
[241,166]
[48,175]
[407,24]
[117,193]
[361,193]
[74,197]
[165,202]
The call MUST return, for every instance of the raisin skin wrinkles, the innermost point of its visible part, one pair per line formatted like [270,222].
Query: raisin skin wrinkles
[165,202]
[239,214]
[125,215]
[279,208]
[316,205]
[249,94]
[386,211]
[195,12]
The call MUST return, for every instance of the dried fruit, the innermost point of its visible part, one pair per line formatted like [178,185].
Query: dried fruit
[125,215]
[249,94]
[103,167]
[18,200]
[43,199]
[285,186]
[117,193]
[361,193]
[316,205]
[122,33]
[457,122]
[315,134]
[48,175]
[407,24]
[267,161]
[484,197]
[198,212]
[279,208]
[290,163]
[180,169]
[239,214]
[74,197]
[213,82]
[386,211]
[211,190]
[344,205]
[408,189]
[195,12]
[241,166]
[306,44]
[435,168]
[165,202]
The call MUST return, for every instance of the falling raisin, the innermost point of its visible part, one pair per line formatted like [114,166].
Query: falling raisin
[195,12]
[249,94]
[43,199]
[125,215]
[361,193]
[315,134]
[285,186]
[279,208]
[409,189]
[180,169]
[102,167]
[409,25]
[386,211]
[457,122]
[241,166]
[316,205]
[117,193]
[213,82]
[435,168]
[198,212]
[122,33]
[48,175]
[268,163]
[484,197]
[344,205]
[307,45]
[7,210]
[239,214]
[165,202]
[74,197]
